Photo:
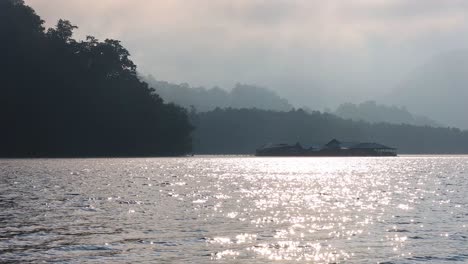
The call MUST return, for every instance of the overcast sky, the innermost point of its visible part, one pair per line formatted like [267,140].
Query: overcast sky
[309,51]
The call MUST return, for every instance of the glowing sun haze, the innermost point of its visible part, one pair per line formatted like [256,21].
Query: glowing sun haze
[334,50]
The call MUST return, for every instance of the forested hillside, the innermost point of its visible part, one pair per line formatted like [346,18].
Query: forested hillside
[372,112]
[63,97]
[240,131]
[437,89]
[203,99]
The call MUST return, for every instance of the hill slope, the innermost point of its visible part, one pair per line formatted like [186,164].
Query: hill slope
[241,96]
[438,89]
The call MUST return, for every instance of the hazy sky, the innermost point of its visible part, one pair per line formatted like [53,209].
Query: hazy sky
[322,52]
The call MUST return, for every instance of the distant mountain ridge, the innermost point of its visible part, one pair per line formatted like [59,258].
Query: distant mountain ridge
[438,89]
[203,99]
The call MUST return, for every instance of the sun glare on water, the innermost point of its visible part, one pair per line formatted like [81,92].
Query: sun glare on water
[314,207]
[238,209]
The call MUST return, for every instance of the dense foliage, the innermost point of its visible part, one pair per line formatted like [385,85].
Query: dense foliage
[372,112]
[240,131]
[63,97]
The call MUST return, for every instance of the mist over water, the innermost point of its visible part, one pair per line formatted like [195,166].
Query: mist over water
[317,54]
[235,209]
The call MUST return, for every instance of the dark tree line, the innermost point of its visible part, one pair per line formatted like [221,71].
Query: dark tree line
[372,112]
[63,97]
[241,131]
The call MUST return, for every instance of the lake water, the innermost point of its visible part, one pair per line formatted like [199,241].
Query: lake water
[407,209]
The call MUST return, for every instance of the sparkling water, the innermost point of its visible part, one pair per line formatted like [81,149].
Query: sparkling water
[212,209]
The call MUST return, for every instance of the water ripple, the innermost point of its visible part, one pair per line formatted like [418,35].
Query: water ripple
[235,209]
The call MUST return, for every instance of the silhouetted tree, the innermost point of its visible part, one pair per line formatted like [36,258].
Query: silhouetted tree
[63,31]
[62,97]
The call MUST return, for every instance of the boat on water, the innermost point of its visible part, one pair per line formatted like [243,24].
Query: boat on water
[332,148]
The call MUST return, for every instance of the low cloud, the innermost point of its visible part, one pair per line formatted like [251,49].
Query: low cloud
[317,52]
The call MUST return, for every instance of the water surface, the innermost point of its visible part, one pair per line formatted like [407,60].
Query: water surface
[408,209]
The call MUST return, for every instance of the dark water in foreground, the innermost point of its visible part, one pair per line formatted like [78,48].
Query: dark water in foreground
[235,210]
